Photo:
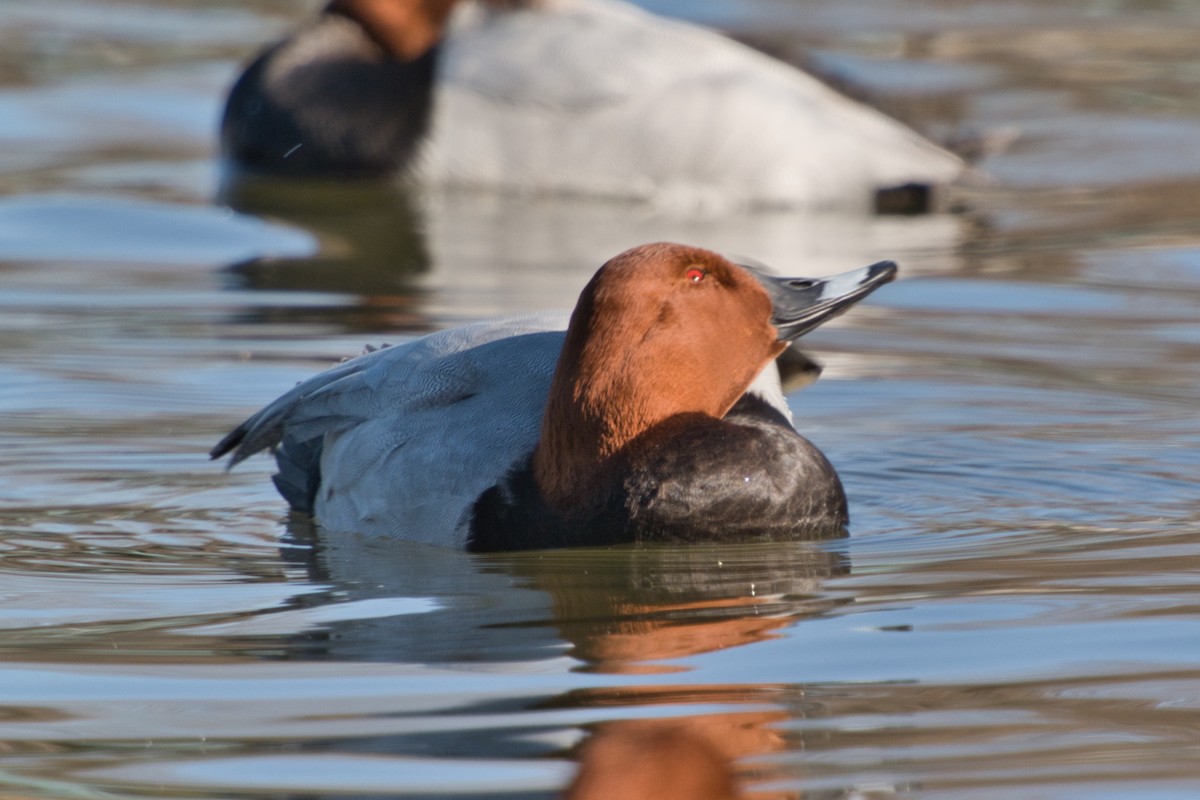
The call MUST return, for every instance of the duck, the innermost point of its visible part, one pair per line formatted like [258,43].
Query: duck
[657,415]
[584,98]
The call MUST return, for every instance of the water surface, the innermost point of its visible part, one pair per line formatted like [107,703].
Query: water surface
[1015,614]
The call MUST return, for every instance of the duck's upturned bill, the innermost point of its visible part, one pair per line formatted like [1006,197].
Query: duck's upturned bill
[801,304]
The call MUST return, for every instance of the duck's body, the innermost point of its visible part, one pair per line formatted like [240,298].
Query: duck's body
[655,416]
[590,97]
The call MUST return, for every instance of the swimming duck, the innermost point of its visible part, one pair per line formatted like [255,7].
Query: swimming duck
[583,97]
[656,416]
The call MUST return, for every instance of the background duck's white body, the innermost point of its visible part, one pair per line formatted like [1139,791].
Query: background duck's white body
[599,97]
[411,435]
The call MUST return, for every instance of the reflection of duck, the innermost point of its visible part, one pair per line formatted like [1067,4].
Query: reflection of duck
[622,612]
[655,761]
[412,262]
[371,236]
[663,419]
[592,97]
[371,247]
[639,611]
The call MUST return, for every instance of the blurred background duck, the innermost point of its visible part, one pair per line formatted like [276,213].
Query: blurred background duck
[575,97]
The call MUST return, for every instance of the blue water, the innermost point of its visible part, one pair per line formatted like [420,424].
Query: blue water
[1013,615]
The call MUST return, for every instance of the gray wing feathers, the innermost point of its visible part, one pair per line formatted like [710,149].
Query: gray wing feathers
[420,374]
[442,448]
[434,421]
[265,429]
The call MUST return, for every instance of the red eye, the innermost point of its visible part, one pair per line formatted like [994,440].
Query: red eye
[695,275]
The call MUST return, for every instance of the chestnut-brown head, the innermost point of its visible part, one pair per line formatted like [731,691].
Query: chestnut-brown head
[407,29]
[662,329]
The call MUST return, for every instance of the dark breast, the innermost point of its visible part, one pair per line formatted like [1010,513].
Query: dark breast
[346,110]
[692,478]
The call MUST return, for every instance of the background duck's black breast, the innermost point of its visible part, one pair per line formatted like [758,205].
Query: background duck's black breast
[346,110]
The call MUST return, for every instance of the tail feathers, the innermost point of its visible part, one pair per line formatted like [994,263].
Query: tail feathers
[255,434]
[231,440]
[299,475]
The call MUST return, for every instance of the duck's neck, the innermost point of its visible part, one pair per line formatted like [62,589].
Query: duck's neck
[575,461]
[602,399]
[407,29]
